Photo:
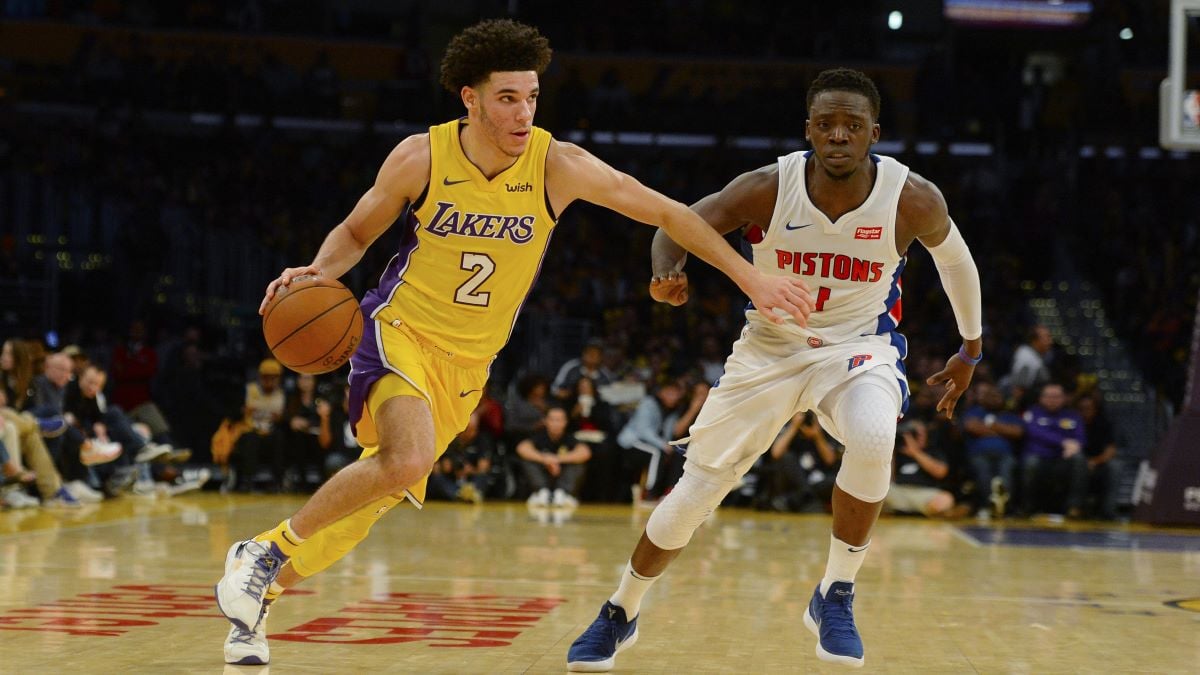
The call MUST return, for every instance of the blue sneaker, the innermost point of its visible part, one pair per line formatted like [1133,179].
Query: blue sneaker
[831,619]
[597,648]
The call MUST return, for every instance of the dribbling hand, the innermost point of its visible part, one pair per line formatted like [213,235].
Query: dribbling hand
[284,279]
[956,376]
[769,293]
[671,288]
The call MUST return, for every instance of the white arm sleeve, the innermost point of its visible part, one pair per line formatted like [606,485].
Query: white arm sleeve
[960,279]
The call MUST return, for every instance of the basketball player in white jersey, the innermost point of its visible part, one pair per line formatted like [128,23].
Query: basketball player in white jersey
[842,220]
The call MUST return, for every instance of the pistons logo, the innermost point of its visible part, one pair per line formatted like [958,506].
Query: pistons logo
[856,361]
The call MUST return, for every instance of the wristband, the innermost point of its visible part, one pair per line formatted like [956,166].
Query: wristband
[962,354]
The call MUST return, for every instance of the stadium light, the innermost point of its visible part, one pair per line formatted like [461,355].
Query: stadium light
[895,20]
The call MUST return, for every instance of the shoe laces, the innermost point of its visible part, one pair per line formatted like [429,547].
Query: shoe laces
[263,570]
[837,616]
[604,633]
[242,636]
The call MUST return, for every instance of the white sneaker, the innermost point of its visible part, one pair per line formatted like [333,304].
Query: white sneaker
[190,481]
[248,647]
[250,569]
[99,452]
[187,482]
[84,492]
[564,499]
[18,499]
[539,498]
[153,451]
[145,488]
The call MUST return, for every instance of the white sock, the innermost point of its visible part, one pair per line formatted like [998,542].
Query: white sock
[843,564]
[629,593]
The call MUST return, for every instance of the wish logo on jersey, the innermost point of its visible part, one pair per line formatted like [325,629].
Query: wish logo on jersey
[828,265]
[449,220]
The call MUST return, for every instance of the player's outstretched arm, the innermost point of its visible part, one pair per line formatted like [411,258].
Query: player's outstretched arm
[923,210]
[400,181]
[573,173]
[747,199]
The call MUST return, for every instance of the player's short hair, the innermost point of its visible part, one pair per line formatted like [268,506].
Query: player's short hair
[845,79]
[493,46]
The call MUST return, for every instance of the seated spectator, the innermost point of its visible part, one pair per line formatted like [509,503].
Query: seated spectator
[23,439]
[525,411]
[263,412]
[553,460]
[1030,364]
[18,365]
[334,435]
[87,409]
[591,420]
[1100,451]
[133,364]
[992,434]
[1053,455]
[650,431]
[300,427]
[72,452]
[918,472]
[590,364]
[464,471]
[798,473]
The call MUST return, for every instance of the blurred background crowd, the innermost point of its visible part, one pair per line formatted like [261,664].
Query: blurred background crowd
[161,162]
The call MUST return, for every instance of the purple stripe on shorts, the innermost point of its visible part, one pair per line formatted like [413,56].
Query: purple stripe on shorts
[366,367]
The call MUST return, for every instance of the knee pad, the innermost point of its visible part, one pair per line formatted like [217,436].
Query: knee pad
[683,510]
[866,416]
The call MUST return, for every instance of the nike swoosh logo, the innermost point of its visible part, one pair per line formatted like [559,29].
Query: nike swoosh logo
[464,394]
[789,226]
[856,550]
[447,181]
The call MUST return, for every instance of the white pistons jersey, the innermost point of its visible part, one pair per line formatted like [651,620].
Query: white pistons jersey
[850,265]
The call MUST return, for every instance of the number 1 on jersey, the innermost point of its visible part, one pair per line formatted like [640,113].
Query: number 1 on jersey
[483,267]
[822,296]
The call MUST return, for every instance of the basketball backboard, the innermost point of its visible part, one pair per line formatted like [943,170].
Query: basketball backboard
[1179,96]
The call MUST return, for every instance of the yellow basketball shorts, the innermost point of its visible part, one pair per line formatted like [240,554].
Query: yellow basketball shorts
[404,363]
[397,362]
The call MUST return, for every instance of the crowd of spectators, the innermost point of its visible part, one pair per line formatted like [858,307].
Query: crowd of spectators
[164,377]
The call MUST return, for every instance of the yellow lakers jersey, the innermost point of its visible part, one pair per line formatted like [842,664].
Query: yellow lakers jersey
[471,250]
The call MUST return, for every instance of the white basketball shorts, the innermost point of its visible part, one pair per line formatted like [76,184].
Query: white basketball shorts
[770,376]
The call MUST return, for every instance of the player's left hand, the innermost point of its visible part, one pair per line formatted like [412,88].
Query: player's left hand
[956,377]
[787,294]
[671,288]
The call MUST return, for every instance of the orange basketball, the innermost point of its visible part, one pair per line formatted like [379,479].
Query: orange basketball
[313,325]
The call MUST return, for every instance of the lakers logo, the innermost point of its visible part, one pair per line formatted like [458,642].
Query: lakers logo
[450,220]
[1186,604]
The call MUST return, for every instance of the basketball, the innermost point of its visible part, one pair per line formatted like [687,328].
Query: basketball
[313,325]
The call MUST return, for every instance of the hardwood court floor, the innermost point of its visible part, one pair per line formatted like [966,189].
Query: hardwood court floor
[126,587]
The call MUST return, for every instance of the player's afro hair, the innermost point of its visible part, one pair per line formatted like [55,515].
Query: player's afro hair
[845,79]
[496,45]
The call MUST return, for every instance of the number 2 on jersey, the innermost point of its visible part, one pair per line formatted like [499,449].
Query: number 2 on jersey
[822,296]
[483,267]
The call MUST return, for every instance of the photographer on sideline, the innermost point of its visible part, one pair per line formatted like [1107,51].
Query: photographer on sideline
[918,472]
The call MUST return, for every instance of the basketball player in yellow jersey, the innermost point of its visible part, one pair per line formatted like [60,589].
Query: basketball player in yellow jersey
[480,198]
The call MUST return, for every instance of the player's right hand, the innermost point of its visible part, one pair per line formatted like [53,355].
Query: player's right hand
[671,288]
[284,279]
[790,295]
